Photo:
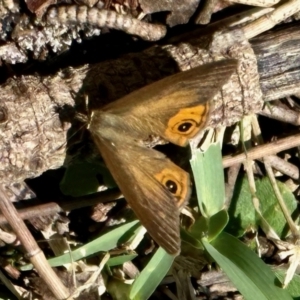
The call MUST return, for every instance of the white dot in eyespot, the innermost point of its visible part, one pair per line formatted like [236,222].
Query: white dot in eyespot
[113,144]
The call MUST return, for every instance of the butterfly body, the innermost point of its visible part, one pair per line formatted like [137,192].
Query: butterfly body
[176,109]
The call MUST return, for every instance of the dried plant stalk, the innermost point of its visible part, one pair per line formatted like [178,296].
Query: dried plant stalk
[263,150]
[206,12]
[262,3]
[211,6]
[52,208]
[101,18]
[32,249]
[271,19]
[282,114]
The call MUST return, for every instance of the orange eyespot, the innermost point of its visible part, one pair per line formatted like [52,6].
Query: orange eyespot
[177,182]
[187,123]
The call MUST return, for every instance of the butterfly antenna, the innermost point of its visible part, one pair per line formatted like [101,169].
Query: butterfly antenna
[81,117]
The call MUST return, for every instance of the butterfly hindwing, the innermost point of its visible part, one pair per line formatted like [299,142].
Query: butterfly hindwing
[143,176]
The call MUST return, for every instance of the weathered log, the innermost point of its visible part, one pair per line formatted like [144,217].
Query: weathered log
[34,110]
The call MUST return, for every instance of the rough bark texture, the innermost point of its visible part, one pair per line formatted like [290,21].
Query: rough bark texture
[32,127]
[278,60]
[32,107]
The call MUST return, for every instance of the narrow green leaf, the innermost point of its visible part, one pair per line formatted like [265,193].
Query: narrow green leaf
[209,178]
[119,260]
[105,242]
[152,275]
[245,269]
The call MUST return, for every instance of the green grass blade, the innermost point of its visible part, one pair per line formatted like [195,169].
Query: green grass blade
[245,269]
[105,242]
[152,275]
[209,178]
[119,260]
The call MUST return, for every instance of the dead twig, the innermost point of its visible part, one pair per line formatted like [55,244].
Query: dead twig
[51,208]
[263,150]
[101,17]
[33,252]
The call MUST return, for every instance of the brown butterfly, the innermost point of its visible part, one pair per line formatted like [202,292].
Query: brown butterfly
[175,108]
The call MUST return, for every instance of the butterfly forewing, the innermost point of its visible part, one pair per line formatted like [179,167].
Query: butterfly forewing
[175,108]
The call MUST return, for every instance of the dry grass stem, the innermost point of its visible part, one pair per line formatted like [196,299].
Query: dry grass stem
[92,279]
[267,164]
[271,19]
[282,114]
[32,249]
[232,176]
[261,3]
[68,205]
[284,166]
[244,17]
[286,212]
[268,230]
[263,150]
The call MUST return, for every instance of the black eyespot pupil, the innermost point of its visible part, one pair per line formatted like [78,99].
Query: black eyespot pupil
[171,186]
[184,127]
